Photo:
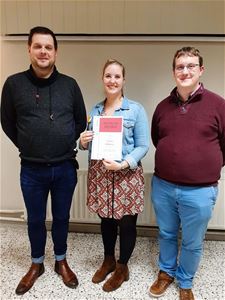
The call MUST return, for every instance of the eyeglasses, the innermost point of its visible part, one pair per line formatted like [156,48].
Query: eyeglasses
[190,67]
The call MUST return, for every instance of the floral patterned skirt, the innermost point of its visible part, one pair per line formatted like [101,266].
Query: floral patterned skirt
[113,194]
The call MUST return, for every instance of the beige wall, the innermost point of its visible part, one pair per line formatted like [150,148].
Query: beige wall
[115,16]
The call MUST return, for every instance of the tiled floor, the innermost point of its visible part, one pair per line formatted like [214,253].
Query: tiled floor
[84,256]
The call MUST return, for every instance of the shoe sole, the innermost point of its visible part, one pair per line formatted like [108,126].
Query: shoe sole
[156,295]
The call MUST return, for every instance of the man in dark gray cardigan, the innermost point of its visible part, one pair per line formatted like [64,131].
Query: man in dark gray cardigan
[43,114]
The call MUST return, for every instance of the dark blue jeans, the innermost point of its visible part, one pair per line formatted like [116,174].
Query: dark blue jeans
[37,181]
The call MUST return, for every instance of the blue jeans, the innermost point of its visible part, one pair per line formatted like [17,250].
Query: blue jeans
[37,180]
[188,207]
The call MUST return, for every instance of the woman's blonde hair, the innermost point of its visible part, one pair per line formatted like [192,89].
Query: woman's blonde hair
[112,61]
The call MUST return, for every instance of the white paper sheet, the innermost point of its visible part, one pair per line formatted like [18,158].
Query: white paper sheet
[107,141]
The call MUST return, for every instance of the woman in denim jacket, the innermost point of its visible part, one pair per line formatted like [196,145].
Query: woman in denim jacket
[116,188]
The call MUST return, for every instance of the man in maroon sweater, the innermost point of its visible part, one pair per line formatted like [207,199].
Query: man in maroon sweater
[188,131]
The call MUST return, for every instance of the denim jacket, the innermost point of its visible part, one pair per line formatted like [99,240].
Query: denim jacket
[136,136]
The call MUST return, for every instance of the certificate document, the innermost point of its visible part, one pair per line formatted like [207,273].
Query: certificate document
[107,141]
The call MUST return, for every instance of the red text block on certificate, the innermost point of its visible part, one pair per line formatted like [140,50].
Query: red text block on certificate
[107,141]
[110,124]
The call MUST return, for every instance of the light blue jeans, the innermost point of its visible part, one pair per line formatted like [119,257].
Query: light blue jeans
[188,207]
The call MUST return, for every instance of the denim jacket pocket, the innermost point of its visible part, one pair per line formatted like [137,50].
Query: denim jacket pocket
[128,127]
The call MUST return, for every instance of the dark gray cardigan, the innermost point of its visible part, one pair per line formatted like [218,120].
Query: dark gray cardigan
[43,117]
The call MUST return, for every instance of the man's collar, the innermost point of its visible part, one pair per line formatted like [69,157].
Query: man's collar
[41,82]
[193,96]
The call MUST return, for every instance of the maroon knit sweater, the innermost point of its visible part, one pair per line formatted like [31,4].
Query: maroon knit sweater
[190,138]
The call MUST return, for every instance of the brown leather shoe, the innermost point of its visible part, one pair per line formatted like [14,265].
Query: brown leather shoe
[68,277]
[28,280]
[186,294]
[159,287]
[120,275]
[108,266]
